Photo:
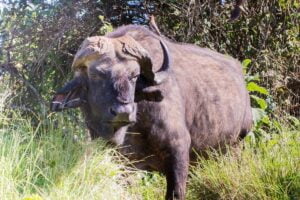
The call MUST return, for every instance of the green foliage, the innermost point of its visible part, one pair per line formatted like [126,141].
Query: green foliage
[38,43]
[263,106]
[246,63]
[264,170]
[55,161]
[253,87]
[259,103]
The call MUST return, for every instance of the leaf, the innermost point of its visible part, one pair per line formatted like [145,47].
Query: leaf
[261,102]
[266,119]
[258,115]
[249,78]
[245,65]
[101,18]
[253,87]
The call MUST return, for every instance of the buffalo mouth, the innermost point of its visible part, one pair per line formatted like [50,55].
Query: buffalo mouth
[119,123]
[112,131]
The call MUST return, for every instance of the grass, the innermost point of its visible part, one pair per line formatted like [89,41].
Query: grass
[47,161]
[268,169]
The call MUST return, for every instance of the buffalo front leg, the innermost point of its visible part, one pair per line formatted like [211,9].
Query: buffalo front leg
[176,170]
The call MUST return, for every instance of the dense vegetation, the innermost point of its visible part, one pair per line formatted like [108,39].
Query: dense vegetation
[47,156]
[54,161]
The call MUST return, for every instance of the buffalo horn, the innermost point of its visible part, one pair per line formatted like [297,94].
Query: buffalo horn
[162,73]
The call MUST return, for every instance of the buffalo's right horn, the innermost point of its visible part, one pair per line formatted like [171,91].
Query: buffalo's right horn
[162,73]
[133,48]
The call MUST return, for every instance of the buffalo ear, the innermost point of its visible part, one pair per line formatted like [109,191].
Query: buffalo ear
[144,91]
[72,95]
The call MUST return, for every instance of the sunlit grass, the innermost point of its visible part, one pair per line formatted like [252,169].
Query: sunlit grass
[266,169]
[46,161]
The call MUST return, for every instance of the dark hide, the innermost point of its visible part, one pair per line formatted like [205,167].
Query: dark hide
[196,103]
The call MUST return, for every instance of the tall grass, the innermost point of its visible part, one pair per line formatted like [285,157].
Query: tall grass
[267,169]
[46,161]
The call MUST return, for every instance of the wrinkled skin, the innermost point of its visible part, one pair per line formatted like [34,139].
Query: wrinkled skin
[160,100]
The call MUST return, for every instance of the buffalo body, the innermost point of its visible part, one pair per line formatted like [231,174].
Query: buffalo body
[162,101]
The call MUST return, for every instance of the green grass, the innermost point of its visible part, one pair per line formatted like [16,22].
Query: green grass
[46,161]
[269,169]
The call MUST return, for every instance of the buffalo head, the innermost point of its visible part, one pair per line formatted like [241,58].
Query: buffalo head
[111,75]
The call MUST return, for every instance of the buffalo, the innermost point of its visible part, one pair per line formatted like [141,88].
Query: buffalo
[161,101]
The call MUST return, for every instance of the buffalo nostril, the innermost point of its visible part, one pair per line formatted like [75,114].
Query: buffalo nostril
[112,112]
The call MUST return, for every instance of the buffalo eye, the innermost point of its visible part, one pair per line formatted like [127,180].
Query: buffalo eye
[133,78]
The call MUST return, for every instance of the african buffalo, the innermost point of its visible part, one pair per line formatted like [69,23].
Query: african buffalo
[162,101]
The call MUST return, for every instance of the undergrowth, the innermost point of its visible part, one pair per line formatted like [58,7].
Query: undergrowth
[47,162]
[267,169]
